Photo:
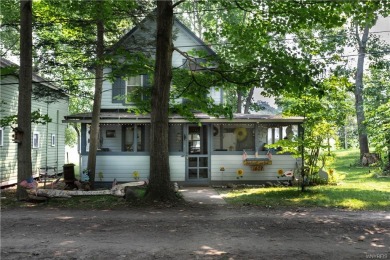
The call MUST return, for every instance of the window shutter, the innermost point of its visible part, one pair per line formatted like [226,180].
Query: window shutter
[118,89]
[146,84]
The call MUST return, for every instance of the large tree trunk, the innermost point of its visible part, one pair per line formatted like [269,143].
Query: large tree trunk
[248,100]
[25,92]
[359,103]
[160,187]
[93,145]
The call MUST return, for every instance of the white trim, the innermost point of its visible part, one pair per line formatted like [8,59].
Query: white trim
[35,140]
[53,140]
[1,136]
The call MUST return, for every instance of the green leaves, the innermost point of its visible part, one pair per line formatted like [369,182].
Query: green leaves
[36,118]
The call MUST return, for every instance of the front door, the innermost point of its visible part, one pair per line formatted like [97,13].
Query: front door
[197,150]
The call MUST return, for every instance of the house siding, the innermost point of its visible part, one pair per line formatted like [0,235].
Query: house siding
[54,156]
[121,167]
[232,163]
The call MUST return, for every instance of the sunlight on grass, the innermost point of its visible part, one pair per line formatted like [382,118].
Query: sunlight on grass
[357,188]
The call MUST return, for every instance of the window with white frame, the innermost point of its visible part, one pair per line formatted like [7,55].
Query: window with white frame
[35,140]
[53,140]
[131,84]
[1,136]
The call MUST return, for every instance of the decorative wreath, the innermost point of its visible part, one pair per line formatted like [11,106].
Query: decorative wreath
[240,133]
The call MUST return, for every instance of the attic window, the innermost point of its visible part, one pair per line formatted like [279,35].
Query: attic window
[131,84]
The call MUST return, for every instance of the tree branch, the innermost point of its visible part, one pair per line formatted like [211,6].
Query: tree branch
[177,3]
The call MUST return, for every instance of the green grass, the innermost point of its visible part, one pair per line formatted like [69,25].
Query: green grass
[357,188]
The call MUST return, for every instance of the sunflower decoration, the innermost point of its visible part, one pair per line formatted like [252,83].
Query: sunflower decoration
[280,172]
[240,133]
[136,175]
[240,173]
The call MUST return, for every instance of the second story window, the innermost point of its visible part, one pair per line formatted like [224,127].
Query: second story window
[131,84]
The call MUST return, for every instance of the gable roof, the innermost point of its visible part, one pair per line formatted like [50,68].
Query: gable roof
[177,23]
[42,88]
[35,78]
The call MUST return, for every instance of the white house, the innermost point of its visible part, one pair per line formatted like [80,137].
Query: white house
[208,152]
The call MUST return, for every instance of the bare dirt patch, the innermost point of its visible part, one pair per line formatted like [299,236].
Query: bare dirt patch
[194,232]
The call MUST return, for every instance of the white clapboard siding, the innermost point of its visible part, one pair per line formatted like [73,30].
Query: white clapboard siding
[107,94]
[232,163]
[121,168]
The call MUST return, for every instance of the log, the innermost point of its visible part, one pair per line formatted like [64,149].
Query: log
[117,190]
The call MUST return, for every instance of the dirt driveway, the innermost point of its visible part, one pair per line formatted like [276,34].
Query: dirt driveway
[194,232]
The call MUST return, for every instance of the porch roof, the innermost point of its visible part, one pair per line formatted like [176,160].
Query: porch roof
[129,118]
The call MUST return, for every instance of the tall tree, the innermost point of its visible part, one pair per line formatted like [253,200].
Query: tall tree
[160,186]
[93,146]
[363,17]
[24,100]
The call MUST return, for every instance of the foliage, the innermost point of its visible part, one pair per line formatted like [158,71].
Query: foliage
[36,118]
[250,39]
[325,106]
[9,29]
[377,95]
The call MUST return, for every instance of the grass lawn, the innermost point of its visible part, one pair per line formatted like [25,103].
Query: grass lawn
[357,188]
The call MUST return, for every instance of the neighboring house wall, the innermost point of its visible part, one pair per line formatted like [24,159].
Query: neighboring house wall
[45,153]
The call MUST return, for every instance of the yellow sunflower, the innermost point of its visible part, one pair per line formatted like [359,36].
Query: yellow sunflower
[280,172]
[240,172]
[136,175]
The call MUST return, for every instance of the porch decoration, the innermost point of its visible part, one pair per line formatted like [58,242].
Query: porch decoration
[240,133]
[257,164]
[240,173]
[136,175]
[244,156]
[289,173]
[280,172]
[85,175]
